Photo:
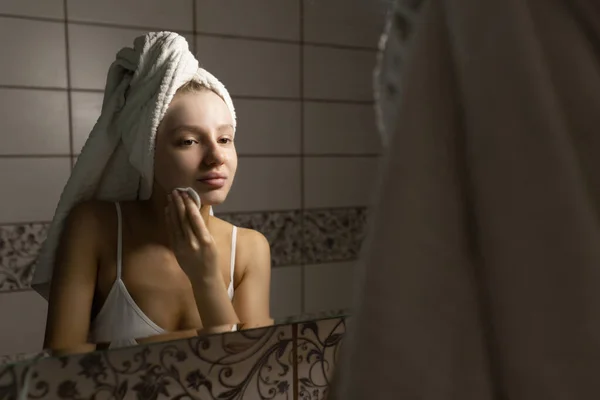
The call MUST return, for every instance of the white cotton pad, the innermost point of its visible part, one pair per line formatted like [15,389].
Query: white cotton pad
[192,194]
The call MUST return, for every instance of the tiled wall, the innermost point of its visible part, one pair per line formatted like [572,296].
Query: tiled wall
[300,73]
[294,361]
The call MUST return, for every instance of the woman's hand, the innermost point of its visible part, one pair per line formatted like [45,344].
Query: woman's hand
[192,243]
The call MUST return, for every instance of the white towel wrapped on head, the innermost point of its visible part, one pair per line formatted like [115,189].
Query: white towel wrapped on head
[117,161]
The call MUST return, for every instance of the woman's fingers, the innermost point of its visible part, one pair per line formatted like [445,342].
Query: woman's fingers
[184,222]
[175,228]
[199,228]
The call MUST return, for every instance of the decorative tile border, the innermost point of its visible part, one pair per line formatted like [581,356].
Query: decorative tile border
[329,235]
[281,228]
[280,362]
[19,246]
[333,234]
[12,380]
[318,346]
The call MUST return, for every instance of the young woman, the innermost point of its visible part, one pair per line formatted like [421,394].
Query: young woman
[135,269]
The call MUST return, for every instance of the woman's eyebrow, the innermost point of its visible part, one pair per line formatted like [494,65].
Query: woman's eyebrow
[191,128]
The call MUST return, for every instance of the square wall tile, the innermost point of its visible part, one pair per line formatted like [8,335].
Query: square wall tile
[282,229]
[338,74]
[252,68]
[93,49]
[23,316]
[339,181]
[319,346]
[85,110]
[333,234]
[173,15]
[264,183]
[359,23]
[33,8]
[19,247]
[286,292]
[328,286]
[267,127]
[335,128]
[31,188]
[257,18]
[46,133]
[38,58]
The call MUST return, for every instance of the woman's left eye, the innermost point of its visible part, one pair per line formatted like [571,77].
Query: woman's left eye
[226,140]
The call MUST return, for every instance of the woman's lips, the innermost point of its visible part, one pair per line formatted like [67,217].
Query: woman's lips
[213,182]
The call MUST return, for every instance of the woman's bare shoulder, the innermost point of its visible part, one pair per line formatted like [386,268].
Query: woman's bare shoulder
[253,249]
[246,238]
[92,212]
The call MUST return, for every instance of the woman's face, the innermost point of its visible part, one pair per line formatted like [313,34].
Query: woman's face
[194,147]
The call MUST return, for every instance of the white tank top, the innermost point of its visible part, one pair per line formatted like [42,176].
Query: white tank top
[120,320]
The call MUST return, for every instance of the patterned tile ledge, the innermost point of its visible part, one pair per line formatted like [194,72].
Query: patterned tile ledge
[318,347]
[255,364]
[278,362]
[325,235]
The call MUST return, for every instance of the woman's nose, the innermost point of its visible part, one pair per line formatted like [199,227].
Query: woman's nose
[214,155]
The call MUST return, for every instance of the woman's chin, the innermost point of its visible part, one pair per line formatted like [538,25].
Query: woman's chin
[212,199]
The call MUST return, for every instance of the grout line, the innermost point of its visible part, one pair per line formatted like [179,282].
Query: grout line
[69,94]
[302,186]
[23,87]
[233,96]
[32,18]
[342,46]
[129,27]
[35,156]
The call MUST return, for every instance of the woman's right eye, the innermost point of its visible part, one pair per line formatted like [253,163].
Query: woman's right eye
[188,142]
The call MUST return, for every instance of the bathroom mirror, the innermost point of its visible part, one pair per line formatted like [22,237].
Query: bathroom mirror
[300,76]
[18,362]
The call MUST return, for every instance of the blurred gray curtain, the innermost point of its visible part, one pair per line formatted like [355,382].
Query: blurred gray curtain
[480,276]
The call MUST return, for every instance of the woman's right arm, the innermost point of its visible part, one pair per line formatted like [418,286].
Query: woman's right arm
[74,279]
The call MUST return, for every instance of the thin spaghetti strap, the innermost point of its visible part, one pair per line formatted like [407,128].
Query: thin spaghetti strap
[119,240]
[233,245]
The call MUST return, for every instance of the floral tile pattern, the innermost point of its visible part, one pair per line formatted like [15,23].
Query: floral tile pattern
[254,364]
[318,345]
[294,361]
[333,234]
[13,379]
[19,246]
[281,228]
[324,235]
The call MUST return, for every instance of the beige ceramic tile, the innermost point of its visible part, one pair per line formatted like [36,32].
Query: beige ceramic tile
[33,8]
[252,68]
[264,183]
[339,181]
[31,187]
[37,58]
[174,15]
[259,18]
[338,74]
[94,48]
[34,122]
